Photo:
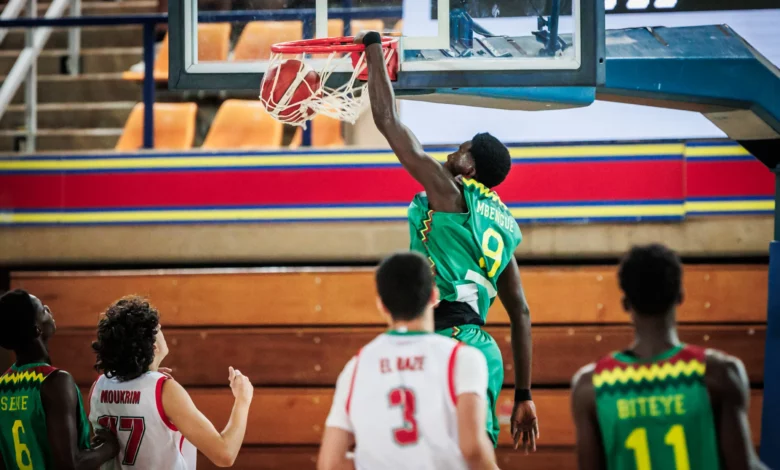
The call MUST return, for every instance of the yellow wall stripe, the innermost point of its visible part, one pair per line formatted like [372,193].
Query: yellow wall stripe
[296,159]
[695,151]
[378,212]
[729,206]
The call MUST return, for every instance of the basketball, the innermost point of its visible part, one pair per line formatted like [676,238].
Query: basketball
[288,86]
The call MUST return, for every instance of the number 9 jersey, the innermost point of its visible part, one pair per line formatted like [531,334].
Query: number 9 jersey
[133,411]
[467,251]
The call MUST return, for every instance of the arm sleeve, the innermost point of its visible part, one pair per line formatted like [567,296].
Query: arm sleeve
[471,373]
[338,417]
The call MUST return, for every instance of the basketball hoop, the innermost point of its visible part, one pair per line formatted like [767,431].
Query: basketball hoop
[295,97]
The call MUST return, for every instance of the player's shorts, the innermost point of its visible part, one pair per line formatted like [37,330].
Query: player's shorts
[475,336]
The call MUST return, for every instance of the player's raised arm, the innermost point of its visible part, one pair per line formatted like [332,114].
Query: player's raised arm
[221,448]
[443,193]
[524,424]
[729,390]
[338,437]
[590,451]
[60,402]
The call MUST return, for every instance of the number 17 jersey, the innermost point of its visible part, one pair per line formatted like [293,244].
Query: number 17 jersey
[468,251]
[133,411]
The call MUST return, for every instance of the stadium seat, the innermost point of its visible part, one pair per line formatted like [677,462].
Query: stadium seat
[326,132]
[243,124]
[213,45]
[398,29]
[174,127]
[367,25]
[258,36]
[335,28]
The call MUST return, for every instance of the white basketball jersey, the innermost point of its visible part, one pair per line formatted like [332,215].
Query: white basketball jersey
[401,403]
[133,411]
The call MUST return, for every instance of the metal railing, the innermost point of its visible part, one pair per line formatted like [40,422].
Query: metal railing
[25,68]
[148,21]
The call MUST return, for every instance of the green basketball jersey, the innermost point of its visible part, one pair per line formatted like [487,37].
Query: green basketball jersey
[468,251]
[24,442]
[656,414]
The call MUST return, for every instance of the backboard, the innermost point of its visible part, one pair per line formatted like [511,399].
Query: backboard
[443,44]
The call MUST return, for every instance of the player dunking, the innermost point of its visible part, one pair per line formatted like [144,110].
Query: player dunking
[153,416]
[42,419]
[661,404]
[470,237]
[410,399]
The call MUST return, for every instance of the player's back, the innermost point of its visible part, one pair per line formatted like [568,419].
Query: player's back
[133,411]
[656,414]
[402,403]
[24,441]
[469,250]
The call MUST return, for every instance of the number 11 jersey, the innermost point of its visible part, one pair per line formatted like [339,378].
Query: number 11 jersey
[656,414]
[133,411]
[468,251]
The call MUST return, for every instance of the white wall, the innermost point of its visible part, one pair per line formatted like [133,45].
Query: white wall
[600,121]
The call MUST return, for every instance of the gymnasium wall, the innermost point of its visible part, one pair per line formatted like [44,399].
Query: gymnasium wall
[571,200]
[292,330]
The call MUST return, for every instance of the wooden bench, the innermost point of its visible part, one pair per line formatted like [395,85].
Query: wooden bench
[315,356]
[714,294]
[292,330]
[295,416]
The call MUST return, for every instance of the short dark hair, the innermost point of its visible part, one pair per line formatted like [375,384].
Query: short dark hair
[125,338]
[491,159]
[651,278]
[405,283]
[17,319]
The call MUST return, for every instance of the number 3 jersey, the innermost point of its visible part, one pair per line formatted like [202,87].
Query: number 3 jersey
[656,414]
[24,440]
[468,251]
[398,398]
[133,411]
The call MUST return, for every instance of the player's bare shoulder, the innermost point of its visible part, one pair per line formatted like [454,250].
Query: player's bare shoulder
[726,377]
[582,390]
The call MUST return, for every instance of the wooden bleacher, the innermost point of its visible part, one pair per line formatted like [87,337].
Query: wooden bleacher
[291,332]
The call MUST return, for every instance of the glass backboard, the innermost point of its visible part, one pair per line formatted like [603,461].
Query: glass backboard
[219,44]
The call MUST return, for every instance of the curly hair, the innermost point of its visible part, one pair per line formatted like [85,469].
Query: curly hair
[492,161]
[17,317]
[651,278]
[125,338]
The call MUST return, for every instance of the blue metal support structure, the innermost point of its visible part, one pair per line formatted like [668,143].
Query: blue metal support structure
[770,418]
[148,87]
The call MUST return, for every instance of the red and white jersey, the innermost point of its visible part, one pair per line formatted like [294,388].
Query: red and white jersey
[398,398]
[133,411]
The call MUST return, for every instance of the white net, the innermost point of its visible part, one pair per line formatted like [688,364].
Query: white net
[306,96]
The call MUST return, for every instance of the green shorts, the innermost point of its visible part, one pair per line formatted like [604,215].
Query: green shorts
[475,336]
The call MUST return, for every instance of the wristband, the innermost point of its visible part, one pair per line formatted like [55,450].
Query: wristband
[522,394]
[372,37]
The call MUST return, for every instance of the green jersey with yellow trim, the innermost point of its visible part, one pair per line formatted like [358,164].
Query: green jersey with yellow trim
[656,414]
[468,251]
[24,440]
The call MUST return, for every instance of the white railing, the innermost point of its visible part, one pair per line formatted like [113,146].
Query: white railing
[25,68]
[11,11]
